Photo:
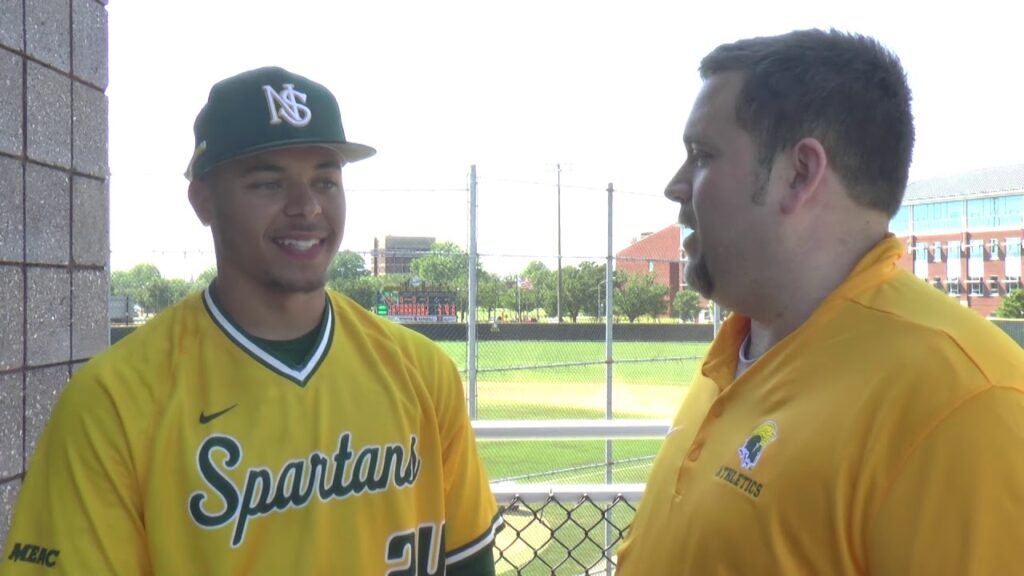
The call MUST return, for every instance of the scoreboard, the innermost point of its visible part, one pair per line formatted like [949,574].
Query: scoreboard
[417,305]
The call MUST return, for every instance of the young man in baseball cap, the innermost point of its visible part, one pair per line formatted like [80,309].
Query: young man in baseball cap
[265,425]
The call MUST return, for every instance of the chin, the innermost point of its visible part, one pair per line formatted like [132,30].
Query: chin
[698,277]
[297,285]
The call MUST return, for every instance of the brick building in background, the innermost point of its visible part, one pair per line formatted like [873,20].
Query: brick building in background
[659,252]
[398,253]
[963,234]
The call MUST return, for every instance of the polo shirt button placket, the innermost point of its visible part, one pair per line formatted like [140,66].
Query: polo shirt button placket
[698,445]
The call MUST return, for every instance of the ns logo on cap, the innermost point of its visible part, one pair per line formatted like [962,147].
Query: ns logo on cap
[288,104]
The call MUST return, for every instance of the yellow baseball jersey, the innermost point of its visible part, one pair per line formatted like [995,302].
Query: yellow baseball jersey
[187,449]
[881,438]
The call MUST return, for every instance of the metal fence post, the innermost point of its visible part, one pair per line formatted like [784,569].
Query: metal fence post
[471,300]
[609,358]
[716,317]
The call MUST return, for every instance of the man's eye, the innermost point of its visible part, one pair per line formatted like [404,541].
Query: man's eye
[699,158]
[326,185]
[269,185]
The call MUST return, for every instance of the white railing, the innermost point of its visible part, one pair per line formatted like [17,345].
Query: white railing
[532,499]
[568,430]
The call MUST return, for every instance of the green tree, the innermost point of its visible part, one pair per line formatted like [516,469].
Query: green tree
[583,291]
[135,282]
[1012,305]
[640,294]
[346,265]
[490,290]
[204,279]
[687,305]
[541,295]
[164,292]
[570,290]
[362,289]
[445,266]
[509,293]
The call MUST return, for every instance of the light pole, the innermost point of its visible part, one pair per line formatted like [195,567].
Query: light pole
[558,297]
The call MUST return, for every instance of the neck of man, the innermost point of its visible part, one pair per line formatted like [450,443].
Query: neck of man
[813,272]
[269,313]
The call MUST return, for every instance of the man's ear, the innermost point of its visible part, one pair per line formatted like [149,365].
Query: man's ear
[809,164]
[199,195]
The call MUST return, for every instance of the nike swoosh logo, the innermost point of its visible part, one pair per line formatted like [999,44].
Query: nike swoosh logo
[207,418]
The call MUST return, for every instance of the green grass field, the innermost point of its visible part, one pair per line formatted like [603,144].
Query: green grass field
[517,361]
[513,384]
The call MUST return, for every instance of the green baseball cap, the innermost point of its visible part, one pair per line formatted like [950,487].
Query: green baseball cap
[265,109]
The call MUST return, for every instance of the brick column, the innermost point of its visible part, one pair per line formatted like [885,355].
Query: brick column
[54,240]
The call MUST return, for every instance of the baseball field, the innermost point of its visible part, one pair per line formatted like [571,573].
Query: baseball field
[532,380]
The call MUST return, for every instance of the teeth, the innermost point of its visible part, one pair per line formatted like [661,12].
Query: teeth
[300,244]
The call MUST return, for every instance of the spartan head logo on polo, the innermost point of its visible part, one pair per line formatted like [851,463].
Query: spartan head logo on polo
[760,438]
[288,104]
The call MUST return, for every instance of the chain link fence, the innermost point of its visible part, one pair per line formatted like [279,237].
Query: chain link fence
[564,536]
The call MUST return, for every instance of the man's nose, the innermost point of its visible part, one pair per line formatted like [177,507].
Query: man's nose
[680,186]
[301,200]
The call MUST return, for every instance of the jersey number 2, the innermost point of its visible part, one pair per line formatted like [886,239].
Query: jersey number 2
[418,552]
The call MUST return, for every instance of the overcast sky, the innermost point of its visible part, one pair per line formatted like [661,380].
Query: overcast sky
[601,88]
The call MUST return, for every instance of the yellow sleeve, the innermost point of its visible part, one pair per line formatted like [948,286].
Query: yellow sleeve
[957,505]
[79,510]
[471,514]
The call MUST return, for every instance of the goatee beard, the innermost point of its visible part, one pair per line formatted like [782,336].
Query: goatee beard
[698,277]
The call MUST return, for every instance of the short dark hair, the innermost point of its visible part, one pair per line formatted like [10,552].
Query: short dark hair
[846,90]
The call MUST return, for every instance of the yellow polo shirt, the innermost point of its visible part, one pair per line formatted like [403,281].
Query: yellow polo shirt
[885,436]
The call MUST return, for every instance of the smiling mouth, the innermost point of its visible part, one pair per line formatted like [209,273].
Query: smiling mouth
[295,244]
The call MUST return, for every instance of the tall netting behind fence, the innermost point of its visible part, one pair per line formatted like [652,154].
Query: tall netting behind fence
[544,354]
[533,366]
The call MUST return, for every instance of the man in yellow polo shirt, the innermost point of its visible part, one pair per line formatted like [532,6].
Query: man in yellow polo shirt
[848,418]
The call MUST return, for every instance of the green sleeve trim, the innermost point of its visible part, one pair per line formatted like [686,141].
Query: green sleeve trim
[480,563]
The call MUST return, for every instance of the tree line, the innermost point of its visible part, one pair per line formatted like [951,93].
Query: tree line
[636,295]
[521,296]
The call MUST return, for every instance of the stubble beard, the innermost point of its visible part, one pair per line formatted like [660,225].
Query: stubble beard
[303,284]
[698,276]
[296,285]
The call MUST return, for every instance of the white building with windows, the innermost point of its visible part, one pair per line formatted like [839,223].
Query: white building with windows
[963,234]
